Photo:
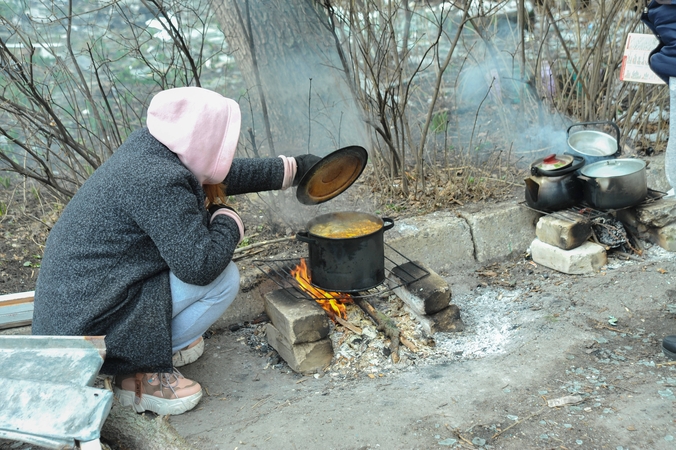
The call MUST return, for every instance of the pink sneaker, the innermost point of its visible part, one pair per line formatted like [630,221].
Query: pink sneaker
[161,393]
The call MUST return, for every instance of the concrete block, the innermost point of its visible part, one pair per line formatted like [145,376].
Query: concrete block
[665,237]
[566,231]
[298,320]
[500,231]
[587,258]
[658,213]
[441,240]
[446,320]
[428,295]
[302,358]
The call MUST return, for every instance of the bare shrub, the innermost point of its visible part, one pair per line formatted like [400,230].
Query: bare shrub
[76,77]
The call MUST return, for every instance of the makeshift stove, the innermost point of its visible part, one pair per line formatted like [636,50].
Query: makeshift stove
[579,239]
[303,315]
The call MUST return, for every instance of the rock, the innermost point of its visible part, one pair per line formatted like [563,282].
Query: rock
[658,213]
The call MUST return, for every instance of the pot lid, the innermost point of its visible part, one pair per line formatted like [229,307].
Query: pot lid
[553,162]
[332,175]
[613,167]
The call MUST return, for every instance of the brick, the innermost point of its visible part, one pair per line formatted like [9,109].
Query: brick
[587,258]
[302,358]
[428,295]
[446,320]
[665,237]
[298,320]
[563,230]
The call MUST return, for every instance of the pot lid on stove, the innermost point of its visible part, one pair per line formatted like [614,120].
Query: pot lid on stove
[553,162]
[332,175]
[556,165]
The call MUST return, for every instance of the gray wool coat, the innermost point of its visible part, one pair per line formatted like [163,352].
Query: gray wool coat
[105,268]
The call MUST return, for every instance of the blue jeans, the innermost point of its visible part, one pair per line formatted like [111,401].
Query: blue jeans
[196,308]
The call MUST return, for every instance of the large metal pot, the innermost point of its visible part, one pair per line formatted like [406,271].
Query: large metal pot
[346,264]
[594,145]
[553,184]
[614,183]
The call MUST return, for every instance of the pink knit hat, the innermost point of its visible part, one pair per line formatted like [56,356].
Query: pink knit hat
[200,126]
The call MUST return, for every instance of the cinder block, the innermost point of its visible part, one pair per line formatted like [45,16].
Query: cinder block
[302,358]
[658,213]
[298,320]
[587,258]
[665,237]
[428,295]
[566,231]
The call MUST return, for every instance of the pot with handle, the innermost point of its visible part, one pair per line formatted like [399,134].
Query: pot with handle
[346,250]
[594,145]
[553,184]
[614,183]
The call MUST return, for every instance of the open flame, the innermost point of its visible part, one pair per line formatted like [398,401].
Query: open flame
[332,302]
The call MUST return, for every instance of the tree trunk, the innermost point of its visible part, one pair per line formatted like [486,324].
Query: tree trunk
[297,78]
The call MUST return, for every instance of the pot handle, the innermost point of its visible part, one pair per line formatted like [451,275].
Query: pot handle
[387,223]
[303,236]
[609,122]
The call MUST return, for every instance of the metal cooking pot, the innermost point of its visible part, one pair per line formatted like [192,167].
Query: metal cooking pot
[614,183]
[594,145]
[553,184]
[349,264]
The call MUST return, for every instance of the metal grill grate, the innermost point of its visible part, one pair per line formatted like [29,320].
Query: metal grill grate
[279,271]
[583,210]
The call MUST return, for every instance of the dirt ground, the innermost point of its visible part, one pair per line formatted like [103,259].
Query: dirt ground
[532,335]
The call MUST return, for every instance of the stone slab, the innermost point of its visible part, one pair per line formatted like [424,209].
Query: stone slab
[427,295]
[500,231]
[301,358]
[658,213]
[298,320]
[587,258]
[563,230]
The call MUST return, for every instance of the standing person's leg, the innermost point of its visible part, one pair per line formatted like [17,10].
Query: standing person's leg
[669,342]
[196,308]
[670,155]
